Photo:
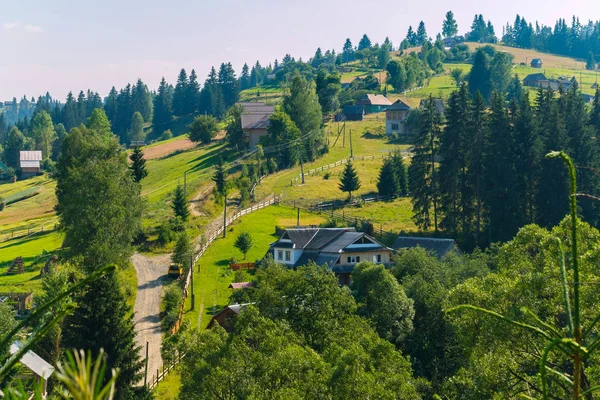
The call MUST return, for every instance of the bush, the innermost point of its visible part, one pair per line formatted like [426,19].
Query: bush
[326,176]
[172,299]
[165,234]
[2,203]
[166,135]
[48,165]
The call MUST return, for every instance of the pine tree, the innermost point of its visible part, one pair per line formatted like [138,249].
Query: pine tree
[180,94]
[449,27]
[349,181]
[111,105]
[411,36]
[422,172]
[500,197]
[103,320]
[387,183]
[479,77]
[142,100]
[348,51]
[421,34]
[70,116]
[138,164]
[180,204]
[591,62]
[162,107]
[183,250]
[122,123]
[478,136]
[229,86]
[193,93]
[401,173]
[245,76]
[220,180]
[244,243]
[364,43]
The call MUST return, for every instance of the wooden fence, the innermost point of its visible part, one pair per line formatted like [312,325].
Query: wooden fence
[242,266]
[25,233]
[272,199]
[161,373]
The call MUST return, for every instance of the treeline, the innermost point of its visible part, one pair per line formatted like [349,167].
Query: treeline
[574,40]
[480,175]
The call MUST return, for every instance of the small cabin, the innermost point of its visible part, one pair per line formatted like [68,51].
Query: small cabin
[29,161]
[536,63]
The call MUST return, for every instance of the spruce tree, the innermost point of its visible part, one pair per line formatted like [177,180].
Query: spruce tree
[401,173]
[220,180]
[193,93]
[349,181]
[449,27]
[479,76]
[136,131]
[179,204]
[163,113]
[138,164]
[421,34]
[387,183]
[364,43]
[478,134]
[422,172]
[103,320]
[180,95]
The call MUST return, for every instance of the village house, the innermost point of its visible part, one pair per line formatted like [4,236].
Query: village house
[354,112]
[225,317]
[374,103]
[435,246]
[30,163]
[395,118]
[255,121]
[536,63]
[340,249]
[534,80]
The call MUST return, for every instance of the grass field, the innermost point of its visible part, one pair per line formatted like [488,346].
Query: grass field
[394,216]
[526,55]
[212,274]
[168,388]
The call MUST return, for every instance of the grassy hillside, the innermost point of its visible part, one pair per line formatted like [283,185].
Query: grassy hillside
[526,55]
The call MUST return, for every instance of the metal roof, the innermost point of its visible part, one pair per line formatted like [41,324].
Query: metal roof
[35,155]
[32,361]
[30,164]
[374,100]
[399,105]
[262,123]
[433,245]
[241,285]
[354,110]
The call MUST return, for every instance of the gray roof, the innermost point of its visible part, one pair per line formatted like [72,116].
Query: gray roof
[32,361]
[262,123]
[34,155]
[535,77]
[374,100]
[439,104]
[536,61]
[342,241]
[398,105]
[439,247]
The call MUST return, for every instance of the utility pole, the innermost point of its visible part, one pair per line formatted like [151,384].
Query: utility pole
[351,153]
[192,279]
[146,367]
[301,163]
[224,216]
[298,222]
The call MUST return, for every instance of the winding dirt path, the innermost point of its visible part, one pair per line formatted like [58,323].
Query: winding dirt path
[152,275]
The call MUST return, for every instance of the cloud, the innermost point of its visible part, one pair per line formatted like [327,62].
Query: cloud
[9,26]
[33,28]
[17,25]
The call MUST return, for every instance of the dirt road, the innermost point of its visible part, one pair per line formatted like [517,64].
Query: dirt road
[152,274]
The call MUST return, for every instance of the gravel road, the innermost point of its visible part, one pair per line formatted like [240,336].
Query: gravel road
[152,274]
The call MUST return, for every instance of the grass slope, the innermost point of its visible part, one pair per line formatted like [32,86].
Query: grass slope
[526,55]
[212,274]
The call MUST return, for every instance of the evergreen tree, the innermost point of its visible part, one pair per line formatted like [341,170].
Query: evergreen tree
[234,133]
[15,142]
[103,320]
[244,243]
[595,117]
[193,93]
[591,62]
[401,173]
[138,164]
[421,34]
[500,196]
[449,27]
[282,129]
[515,90]
[479,77]
[142,100]
[180,204]
[348,51]
[99,123]
[183,250]
[387,183]
[81,107]
[349,181]
[42,132]
[220,180]
[364,43]
[124,113]
[111,105]
[383,56]
[229,86]
[136,132]
[411,37]
[70,116]
[180,95]
[328,88]
[476,144]
[422,172]
[61,133]
[162,107]
[245,76]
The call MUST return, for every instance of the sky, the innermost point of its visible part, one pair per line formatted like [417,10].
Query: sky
[71,45]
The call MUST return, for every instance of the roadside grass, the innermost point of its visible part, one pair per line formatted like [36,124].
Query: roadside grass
[29,248]
[212,274]
[168,388]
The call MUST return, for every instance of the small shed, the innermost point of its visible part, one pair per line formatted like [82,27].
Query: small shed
[536,63]
[35,364]
[436,246]
[374,103]
[29,161]
[225,317]
[354,112]
[241,285]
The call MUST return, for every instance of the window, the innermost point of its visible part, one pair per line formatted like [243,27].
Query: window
[288,256]
[280,254]
[353,259]
[377,258]
[395,127]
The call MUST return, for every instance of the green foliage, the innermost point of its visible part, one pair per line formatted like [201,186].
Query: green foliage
[491,71]
[349,181]
[382,300]
[283,130]
[328,87]
[244,243]
[449,26]
[14,144]
[458,76]
[83,380]
[172,302]
[220,180]
[99,204]
[203,129]
[42,131]
[99,123]
[183,250]
[138,164]
[179,204]
[235,134]
[166,135]
[136,132]
[393,178]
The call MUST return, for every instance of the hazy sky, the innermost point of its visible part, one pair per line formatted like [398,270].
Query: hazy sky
[62,45]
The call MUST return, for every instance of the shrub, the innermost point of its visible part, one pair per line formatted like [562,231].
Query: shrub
[2,203]
[326,176]
[166,135]
[165,234]
[48,165]
[172,299]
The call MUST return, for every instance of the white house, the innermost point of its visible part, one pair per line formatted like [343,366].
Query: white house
[395,118]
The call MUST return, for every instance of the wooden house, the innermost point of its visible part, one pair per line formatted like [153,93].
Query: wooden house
[255,121]
[225,318]
[374,103]
[536,63]
[395,118]
[29,161]
[534,80]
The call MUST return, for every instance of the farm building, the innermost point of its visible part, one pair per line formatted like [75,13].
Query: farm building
[435,246]
[30,163]
[395,118]
[534,80]
[340,249]
[225,317]
[374,103]
[439,105]
[255,121]
[536,63]
[354,112]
